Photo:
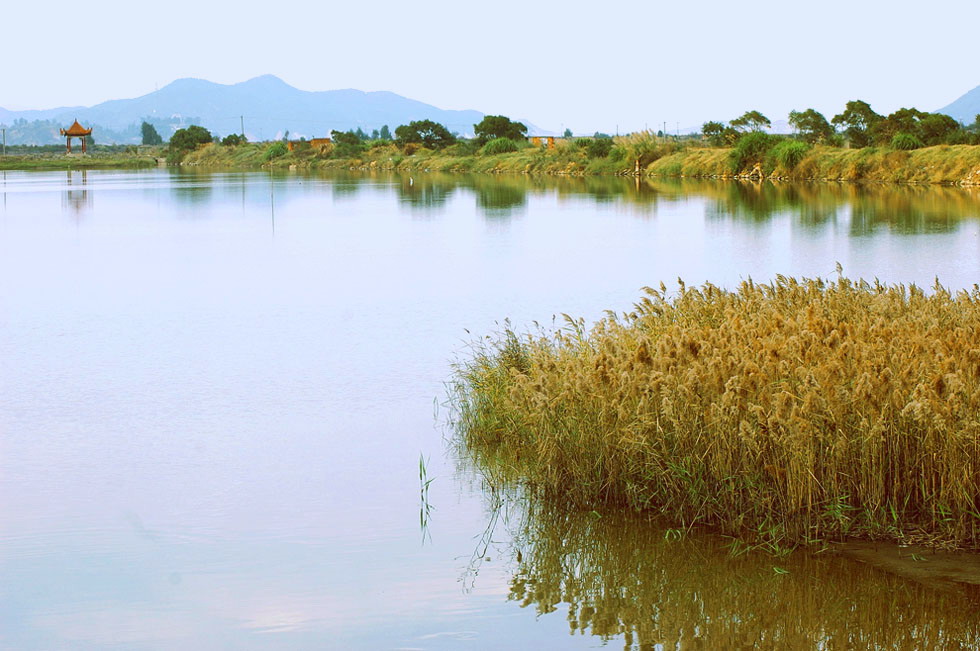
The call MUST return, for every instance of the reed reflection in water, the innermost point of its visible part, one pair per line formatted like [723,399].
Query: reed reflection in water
[622,575]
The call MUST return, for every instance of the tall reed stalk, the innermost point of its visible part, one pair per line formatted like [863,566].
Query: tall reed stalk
[795,411]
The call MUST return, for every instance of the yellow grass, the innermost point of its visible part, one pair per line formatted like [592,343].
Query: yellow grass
[947,164]
[795,411]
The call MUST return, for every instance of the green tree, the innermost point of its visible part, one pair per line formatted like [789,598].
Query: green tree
[346,144]
[150,135]
[715,133]
[385,133]
[598,147]
[812,125]
[936,128]
[425,132]
[233,140]
[360,134]
[190,138]
[857,121]
[498,126]
[904,120]
[568,133]
[751,121]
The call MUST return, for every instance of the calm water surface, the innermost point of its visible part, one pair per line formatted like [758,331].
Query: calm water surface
[215,390]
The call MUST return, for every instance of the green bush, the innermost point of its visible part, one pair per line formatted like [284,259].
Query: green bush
[963,137]
[787,154]
[598,147]
[906,142]
[275,150]
[499,146]
[190,138]
[750,149]
[463,148]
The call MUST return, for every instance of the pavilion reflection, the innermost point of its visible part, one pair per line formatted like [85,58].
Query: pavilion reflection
[76,198]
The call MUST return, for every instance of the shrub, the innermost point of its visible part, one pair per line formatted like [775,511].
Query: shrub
[788,154]
[598,147]
[493,127]
[499,146]
[190,138]
[645,147]
[347,144]
[751,149]
[275,150]
[463,148]
[429,134]
[906,142]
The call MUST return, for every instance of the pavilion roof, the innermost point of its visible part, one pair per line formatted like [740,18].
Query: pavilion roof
[76,130]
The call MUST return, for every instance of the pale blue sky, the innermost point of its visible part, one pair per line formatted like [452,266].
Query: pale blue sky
[585,66]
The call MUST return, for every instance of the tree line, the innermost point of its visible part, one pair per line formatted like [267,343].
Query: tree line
[497,132]
[858,125]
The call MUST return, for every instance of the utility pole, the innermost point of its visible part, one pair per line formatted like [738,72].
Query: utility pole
[243,125]
[4,141]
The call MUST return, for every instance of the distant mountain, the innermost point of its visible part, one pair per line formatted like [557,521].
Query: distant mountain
[269,106]
[966,108]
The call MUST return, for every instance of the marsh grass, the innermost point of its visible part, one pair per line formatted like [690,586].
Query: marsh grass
[791,412]
[945,164]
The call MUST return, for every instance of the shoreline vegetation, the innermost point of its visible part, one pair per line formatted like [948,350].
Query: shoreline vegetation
[907,146]
[858,145]
[108,159]
[943,164]
[940,165]
[801,412]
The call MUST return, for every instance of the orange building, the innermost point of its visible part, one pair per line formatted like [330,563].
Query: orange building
[537,141]
[75,131]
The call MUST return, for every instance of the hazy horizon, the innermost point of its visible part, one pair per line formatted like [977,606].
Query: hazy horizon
[557,67]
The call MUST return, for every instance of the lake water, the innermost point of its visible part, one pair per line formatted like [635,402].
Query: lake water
[215,390]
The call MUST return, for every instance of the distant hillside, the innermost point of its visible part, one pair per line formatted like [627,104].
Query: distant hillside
[966,108]
[270,108]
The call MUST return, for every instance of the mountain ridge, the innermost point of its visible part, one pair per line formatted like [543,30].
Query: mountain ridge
[964,108]
[268,106]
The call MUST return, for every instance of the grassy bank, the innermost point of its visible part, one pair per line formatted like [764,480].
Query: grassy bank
[785,413]
[565,159]
[769,157]
[77,162]
[755,155]
[945,164]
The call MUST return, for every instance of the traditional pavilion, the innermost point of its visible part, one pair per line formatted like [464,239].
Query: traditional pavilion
[75,131]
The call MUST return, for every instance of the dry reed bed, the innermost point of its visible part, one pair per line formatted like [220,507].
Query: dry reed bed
[790,412]
[943,164]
